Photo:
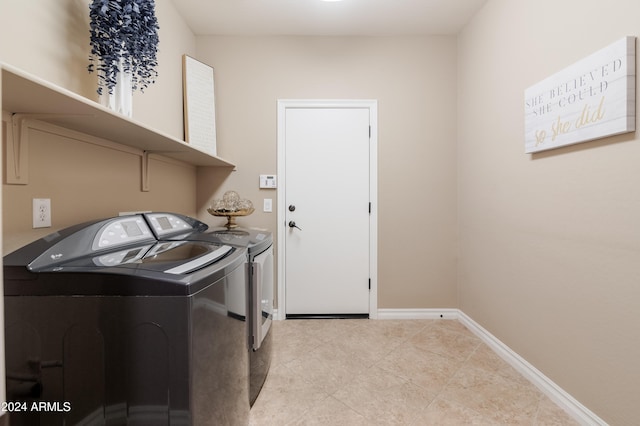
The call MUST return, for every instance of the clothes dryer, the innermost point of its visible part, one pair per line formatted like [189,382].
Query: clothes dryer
[259,245]
[260,273]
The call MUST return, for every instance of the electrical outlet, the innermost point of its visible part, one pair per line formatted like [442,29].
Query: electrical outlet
[41,212]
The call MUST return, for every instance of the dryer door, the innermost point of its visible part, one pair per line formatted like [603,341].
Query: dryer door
[262,296]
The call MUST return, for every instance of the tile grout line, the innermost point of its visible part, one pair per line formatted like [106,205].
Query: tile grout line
[397,337]
[451,377]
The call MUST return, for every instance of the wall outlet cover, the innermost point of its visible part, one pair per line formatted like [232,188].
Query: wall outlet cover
[41,212]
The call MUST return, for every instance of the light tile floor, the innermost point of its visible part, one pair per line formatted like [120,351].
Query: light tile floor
[393,372]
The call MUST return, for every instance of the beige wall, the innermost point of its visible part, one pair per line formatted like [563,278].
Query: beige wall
[87,181]
[414,81]
[549,243]
[51,41]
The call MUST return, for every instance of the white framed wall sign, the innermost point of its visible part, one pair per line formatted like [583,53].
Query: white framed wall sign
[199,104]
[591,99]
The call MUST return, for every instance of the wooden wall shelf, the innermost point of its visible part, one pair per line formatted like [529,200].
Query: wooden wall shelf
[25,96]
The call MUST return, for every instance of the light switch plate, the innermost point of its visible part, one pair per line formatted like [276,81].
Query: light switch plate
[268,205]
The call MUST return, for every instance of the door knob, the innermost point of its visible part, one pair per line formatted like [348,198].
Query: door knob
[292,208]
[292,224]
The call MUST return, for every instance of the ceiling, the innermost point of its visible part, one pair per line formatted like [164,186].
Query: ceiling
[317,17]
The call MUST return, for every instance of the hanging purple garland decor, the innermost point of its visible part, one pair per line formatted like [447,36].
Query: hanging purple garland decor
[123,33]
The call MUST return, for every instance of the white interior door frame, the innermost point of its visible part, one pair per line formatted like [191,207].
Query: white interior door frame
[372,105]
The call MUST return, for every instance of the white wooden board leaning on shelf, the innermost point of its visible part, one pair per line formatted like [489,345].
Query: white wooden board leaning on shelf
[591,99]
[199,105]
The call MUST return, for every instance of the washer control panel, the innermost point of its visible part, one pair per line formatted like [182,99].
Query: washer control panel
[166,223]
[121,231]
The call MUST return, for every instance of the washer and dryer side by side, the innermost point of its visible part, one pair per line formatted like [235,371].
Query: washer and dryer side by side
[128,320]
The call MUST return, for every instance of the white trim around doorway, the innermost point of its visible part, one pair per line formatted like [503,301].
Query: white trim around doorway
[372,105]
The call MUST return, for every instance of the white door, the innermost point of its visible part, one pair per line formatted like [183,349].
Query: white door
[326,216]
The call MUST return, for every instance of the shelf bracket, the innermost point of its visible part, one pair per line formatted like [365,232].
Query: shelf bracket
[145,171]
[17,155]
[17,161]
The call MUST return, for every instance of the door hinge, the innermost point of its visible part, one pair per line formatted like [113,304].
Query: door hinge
[369,132]
[369,283]
[369,207]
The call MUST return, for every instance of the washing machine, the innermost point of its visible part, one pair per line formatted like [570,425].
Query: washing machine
[124,321]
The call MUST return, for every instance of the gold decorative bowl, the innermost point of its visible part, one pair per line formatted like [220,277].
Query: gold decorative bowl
[230,215]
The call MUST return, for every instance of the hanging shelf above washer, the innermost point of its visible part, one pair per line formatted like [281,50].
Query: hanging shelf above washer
[27,97]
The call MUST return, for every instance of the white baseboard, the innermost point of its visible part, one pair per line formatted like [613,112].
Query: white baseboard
[572,406]
[418,313]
